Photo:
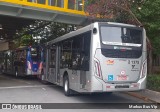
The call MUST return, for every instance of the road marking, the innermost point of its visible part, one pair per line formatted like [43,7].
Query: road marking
[19,87]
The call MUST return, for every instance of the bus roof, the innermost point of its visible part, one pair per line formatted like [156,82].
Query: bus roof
[71,34]
[120,24]
[85,29]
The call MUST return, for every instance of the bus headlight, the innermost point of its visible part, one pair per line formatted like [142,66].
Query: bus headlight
[144,69]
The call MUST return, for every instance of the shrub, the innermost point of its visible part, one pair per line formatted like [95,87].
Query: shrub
[153,82]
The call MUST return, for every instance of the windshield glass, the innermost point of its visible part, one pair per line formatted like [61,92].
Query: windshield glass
[121,36]
[35,54]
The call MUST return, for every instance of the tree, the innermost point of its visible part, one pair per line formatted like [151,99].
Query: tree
[112,9]
[150,16]
[127,11]
[42,31]
[26,40]
[22,39]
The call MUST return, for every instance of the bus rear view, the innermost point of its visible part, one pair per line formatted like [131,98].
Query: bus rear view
[119,60]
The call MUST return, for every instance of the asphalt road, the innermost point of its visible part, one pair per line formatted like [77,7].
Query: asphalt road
[31,90]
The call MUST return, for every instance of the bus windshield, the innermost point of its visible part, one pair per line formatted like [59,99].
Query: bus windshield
[35,55]
[121,36]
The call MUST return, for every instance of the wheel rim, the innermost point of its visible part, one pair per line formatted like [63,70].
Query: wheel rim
[16,73]
[66,86]
[42,76]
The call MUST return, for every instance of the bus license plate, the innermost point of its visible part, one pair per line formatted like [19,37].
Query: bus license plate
[122,86]
[122,77]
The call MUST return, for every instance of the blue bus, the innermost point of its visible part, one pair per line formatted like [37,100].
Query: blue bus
[23,61]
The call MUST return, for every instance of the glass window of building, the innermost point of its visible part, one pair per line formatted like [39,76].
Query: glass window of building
[41,1]
[58,3]
[32,1]
[75,4]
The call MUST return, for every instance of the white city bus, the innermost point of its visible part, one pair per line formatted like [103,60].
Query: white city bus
[101,57]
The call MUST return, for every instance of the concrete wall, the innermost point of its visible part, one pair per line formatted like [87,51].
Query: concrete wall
[4,46]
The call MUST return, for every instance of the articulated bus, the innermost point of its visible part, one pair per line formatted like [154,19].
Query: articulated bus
[23,61]
[101,57]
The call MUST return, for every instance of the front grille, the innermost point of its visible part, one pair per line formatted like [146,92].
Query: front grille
[116,53]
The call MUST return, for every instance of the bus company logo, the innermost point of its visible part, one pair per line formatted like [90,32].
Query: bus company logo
[6,106]
[110,62]
[123,72]
[133,66]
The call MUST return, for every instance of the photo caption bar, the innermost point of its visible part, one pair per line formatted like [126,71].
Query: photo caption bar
[37,106]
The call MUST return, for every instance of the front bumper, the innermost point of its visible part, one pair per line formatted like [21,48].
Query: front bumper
[101,86]
[30,72]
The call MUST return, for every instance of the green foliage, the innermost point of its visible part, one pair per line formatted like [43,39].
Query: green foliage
[42,32]
[56,30]
[138,12]
[26,40]
[123,17]
[153,82]
[53,31]
[149,15]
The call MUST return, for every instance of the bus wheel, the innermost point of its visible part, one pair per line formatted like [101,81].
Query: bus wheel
[16,73]
[42,75]
[67,90]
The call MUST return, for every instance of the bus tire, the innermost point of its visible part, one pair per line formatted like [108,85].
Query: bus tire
[16,72]
[66,88]
[41,77]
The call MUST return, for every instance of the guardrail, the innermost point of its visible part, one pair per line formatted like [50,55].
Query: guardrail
[69,6]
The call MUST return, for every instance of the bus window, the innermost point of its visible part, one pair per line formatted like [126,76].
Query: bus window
[81,51]
[85,54]
[121,35]
[35,54]
[52,59]
[76,52]
[66,54]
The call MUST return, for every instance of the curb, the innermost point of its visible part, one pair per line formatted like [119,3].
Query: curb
[142,97]
[155,92]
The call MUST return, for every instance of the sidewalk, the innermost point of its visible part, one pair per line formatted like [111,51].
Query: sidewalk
[152,95]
